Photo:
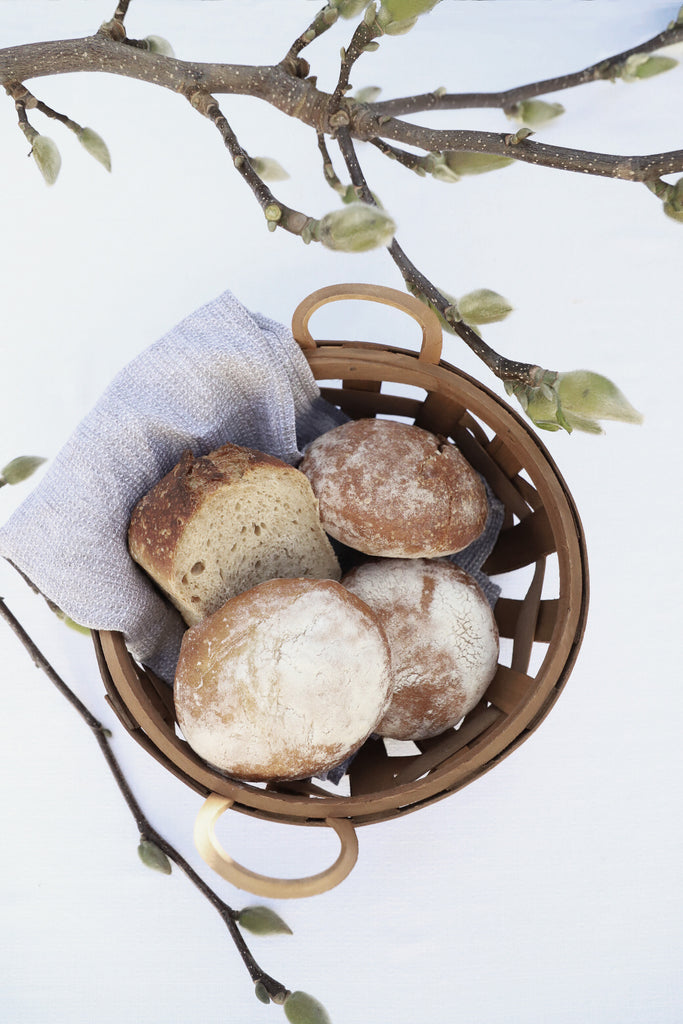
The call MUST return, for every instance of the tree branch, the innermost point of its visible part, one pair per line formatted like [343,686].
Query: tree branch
[509,98]
[502,367]
[275,989]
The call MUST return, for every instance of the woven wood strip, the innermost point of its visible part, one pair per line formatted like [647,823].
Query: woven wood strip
[507,459]
[479,457]
[527,619]
[507,612]
[439,414]
[522,544]
[362,404]
[449,743]
[509,689]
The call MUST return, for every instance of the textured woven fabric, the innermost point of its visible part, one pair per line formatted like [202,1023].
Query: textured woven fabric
[221,375]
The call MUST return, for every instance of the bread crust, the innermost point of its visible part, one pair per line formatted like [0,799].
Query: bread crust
[394,490]
[285,681]
[443,639]
[188,532]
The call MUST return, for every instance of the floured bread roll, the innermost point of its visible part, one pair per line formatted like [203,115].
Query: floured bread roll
[394,490]
[217,525]
[443,640]
[284,681]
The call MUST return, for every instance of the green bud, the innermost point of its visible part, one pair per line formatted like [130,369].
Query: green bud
[20,469]
[261,992]
[453,307]
[644,65]
[300,1008]
[367,95]
[350,8]
[399,28]
[476,163]
[402,10]
[273,213]
[534,113]
[95,145]
[440,169]
[153,857]
[590,396]
[679,17]
[483,306]
[542,409]
[46,155]
[157,44]
[351,196]
[359,227]
[71,623]
[262,921]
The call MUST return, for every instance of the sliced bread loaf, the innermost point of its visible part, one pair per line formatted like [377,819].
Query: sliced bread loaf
[217,525]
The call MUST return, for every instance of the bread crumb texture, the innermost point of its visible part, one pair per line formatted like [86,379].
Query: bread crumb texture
[284,681]
[218,525]
[392,489]
[443,640]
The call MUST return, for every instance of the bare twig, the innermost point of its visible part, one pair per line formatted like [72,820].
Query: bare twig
[147,832]
[502,367]
[508,98]
[328,167]
[323,20]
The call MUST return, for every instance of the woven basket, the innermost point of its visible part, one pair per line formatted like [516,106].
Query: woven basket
[539,561]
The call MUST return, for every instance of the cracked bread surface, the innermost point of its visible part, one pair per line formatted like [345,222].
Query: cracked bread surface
[219,524]
[394,490]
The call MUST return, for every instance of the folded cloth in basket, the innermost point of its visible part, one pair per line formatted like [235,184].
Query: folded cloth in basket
[222,375]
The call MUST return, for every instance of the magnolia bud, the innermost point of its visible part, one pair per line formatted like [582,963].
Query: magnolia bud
[483,306]
[534,113]
[261,992]
[95,145]
[153,857]
[476,163]
[46,155]
[20,469]
[541,408]
[157,44]
[262,921]
[402,10]
[350,8]
[357,228]
[644,65]
[590,396]
[368,95]
[399,28]
[268,169]
[300,1008]
[441,169]
[673,202]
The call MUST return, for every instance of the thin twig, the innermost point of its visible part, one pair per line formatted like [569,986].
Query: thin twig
[229,916]
[328,167]
[323,20]
[506,99]
[502,367]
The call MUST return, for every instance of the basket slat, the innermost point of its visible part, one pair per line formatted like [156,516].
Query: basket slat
[509,689]
[507,611]
[522,544]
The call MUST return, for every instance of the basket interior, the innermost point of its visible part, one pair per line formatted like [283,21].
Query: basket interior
[539,562]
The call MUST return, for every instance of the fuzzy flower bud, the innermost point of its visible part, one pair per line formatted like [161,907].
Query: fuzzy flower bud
[483,306]
[157,44]
[368,94]
[402,10]
[357,228]
[644,65]
[350,8]
[268,169]
[476,163]
[46,156]
[95,145]
[153,857]
[591,396]
[534,113]
[262,921]
[300,1008]
[673,202]
[20,469]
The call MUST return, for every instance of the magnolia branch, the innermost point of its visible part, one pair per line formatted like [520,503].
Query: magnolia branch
[275,989]
[506,369]
[507,99]
[301,99]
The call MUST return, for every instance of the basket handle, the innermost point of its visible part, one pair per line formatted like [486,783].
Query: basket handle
[432,338]
[262,885]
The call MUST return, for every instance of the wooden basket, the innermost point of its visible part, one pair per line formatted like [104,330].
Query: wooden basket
[541,546]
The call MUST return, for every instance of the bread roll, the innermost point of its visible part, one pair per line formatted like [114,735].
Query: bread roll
[394,490]
[443,640]
[284,681]
[218,525]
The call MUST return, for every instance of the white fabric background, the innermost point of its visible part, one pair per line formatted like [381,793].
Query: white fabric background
[549,890]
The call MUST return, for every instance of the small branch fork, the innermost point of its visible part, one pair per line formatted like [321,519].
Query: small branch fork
[275,989]
[506,369]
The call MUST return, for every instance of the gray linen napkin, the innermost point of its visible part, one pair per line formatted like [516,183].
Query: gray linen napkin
[222,375]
